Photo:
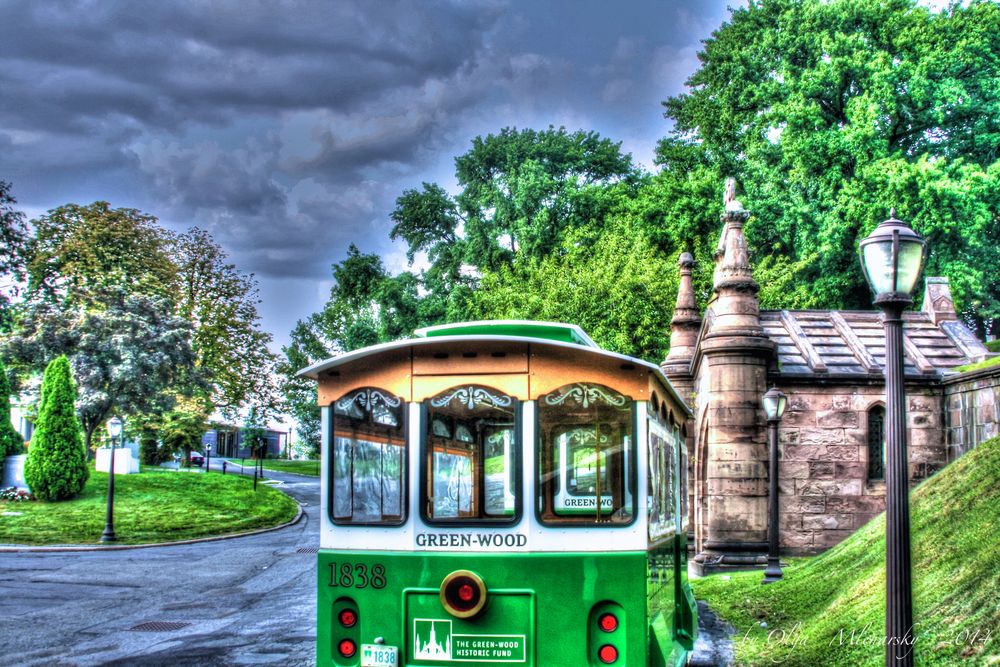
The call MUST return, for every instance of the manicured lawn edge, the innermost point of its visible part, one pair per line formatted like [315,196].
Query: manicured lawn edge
[8,548]
[281,465]
[153,508]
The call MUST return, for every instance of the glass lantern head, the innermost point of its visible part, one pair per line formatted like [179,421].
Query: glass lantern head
[774,403]
[892,258]
[114,427]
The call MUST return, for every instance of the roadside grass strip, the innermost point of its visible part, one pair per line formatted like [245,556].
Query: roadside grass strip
[310,467]
[153,506]
[830,609]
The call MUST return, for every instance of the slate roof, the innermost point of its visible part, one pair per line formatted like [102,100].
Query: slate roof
[848,343]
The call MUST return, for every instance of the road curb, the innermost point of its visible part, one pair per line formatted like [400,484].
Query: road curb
[123,547]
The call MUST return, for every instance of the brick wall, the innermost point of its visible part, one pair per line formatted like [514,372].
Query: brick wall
[823,446]
[973,409]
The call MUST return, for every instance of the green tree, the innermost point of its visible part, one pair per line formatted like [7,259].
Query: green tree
[125,355]
[615,284]
[13,239]
[79,252]
[366,306]
[521,192]
[182,428]
[299,393]
[56,468]
[11,442]
[831,112]
[254,434]
[221,304]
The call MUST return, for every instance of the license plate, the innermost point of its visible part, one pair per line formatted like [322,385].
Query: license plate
[377,655]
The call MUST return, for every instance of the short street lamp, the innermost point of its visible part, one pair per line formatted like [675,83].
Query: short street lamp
[774,406]
[892,257]
[208,457]
[114,430]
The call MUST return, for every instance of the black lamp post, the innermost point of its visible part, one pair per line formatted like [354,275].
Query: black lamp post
[114,430]
[774,406]
[208,457]
[892,257]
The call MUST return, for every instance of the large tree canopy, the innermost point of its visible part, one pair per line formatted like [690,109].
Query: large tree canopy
[521,191]
[830,113]
[124,354]
[220,302]
[76,250]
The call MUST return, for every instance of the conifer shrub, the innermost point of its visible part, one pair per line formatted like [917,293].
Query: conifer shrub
[10,440]
[56,468]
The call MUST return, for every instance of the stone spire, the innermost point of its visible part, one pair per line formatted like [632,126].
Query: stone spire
[735,306]
[732,360]
[685,323]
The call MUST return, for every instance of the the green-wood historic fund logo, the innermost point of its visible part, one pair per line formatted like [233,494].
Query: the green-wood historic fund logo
[433,640]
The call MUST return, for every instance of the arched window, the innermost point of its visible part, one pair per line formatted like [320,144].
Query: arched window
[876,443]
[471,456]
[586,462]
[368,458]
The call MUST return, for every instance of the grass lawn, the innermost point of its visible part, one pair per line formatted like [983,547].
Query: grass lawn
[154,506]
[830,609]
[310,467]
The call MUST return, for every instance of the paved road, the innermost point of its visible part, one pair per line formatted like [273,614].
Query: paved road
[249,600]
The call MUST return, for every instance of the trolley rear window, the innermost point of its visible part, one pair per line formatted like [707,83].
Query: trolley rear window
[586,456]
[471,457]
[368,458]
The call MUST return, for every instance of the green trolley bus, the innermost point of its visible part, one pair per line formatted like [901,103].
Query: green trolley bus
[501,493]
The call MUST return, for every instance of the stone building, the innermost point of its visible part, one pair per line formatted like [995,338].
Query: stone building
[829,363]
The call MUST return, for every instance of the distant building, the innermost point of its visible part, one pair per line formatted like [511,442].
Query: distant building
[829,363]
[227,441]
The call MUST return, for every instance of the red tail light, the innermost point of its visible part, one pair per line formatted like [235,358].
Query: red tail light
[347,648]
[347,618]
[463,594]
[608,622]
[608,654]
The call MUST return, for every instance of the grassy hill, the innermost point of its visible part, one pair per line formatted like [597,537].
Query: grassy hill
[830,609]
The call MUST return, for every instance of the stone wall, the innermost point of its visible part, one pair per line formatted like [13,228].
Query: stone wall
[823,447]
[973,409]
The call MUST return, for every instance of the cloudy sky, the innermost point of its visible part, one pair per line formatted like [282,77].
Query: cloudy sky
[288,128]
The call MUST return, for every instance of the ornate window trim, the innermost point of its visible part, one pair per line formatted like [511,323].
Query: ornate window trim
[471,396]
[584,394]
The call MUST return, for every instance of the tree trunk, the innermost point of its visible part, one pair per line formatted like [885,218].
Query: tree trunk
[88,434]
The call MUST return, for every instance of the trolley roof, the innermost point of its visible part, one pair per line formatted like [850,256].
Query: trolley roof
[567,333]
[567,336]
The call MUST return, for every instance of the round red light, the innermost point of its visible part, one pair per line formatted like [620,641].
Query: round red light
[608,622]
[463,594]
[347,648]
[347,618]
[608,654]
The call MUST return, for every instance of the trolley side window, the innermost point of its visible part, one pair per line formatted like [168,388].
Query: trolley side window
[471,458]
[661,480]
[682,474]
[585,456]
[368,458]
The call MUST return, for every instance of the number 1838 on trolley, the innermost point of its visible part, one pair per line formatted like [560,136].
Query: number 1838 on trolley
[501,493]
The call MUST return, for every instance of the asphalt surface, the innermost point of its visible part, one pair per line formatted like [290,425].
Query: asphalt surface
[248,600]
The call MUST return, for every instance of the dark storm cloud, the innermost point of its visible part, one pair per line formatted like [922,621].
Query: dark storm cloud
[288,128]
[168,64]
[222,108]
